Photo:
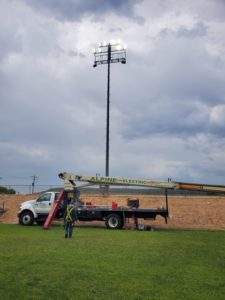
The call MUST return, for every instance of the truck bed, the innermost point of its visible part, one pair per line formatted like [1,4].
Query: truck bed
[101,212]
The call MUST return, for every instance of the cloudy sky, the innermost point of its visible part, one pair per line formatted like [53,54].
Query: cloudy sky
[167,103]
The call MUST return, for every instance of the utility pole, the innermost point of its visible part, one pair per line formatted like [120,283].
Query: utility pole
[34,178]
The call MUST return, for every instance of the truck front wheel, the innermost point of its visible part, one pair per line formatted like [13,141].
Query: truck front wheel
[113,221]
[26,218]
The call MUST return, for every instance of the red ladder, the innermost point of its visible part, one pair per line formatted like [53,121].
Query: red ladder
[53,211]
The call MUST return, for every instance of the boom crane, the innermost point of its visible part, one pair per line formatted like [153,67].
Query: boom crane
[70,178]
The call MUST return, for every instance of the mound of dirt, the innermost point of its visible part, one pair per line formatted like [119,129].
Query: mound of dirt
[203,212]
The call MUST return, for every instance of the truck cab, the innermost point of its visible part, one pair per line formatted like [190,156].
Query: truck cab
[37,210]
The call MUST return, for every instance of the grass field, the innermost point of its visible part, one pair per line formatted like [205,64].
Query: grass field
[104,264]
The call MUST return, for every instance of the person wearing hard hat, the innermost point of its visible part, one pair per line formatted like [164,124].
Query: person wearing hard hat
[70,217]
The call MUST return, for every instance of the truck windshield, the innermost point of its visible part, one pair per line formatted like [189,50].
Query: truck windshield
[44,197]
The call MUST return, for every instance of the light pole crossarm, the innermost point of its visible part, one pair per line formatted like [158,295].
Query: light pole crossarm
[105,61]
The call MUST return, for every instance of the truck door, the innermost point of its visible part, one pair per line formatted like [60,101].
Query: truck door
[43,204]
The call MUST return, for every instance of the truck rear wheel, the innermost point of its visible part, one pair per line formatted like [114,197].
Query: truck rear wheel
[26,218]
[113,221]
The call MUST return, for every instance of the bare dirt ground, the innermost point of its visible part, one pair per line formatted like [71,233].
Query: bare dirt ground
[202,212]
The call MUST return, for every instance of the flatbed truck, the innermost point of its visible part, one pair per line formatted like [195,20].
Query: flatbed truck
[114,216]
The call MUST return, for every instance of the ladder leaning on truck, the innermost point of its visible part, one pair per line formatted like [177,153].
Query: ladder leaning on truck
[115,217]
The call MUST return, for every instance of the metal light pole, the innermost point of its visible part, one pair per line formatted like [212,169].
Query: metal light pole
[107,53]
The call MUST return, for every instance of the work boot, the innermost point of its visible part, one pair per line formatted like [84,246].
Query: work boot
[66,235]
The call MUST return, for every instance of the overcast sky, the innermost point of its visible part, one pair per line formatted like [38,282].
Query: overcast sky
[167,113]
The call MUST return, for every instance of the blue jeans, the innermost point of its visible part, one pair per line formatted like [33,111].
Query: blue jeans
[69,229]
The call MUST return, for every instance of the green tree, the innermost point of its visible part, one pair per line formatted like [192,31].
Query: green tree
[5,190]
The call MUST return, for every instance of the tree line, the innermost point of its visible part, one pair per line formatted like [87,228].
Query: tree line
[5,190]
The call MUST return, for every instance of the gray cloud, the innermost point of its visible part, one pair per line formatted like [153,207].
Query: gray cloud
[200,29]
[75,10]
[180,88]
[10,43]
[211,10]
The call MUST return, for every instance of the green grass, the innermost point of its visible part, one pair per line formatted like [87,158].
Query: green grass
[104,264]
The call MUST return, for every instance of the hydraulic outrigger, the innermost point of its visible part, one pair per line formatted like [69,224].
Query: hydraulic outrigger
[70,186]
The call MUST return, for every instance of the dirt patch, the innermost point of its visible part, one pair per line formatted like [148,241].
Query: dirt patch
[11,204]
[203,212]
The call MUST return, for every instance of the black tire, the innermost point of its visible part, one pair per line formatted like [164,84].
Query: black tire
[114,221]
[26,218]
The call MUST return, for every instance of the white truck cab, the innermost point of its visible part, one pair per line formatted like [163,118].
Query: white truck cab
[37,210]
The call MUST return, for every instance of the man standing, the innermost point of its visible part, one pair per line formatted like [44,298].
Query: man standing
[69,219]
